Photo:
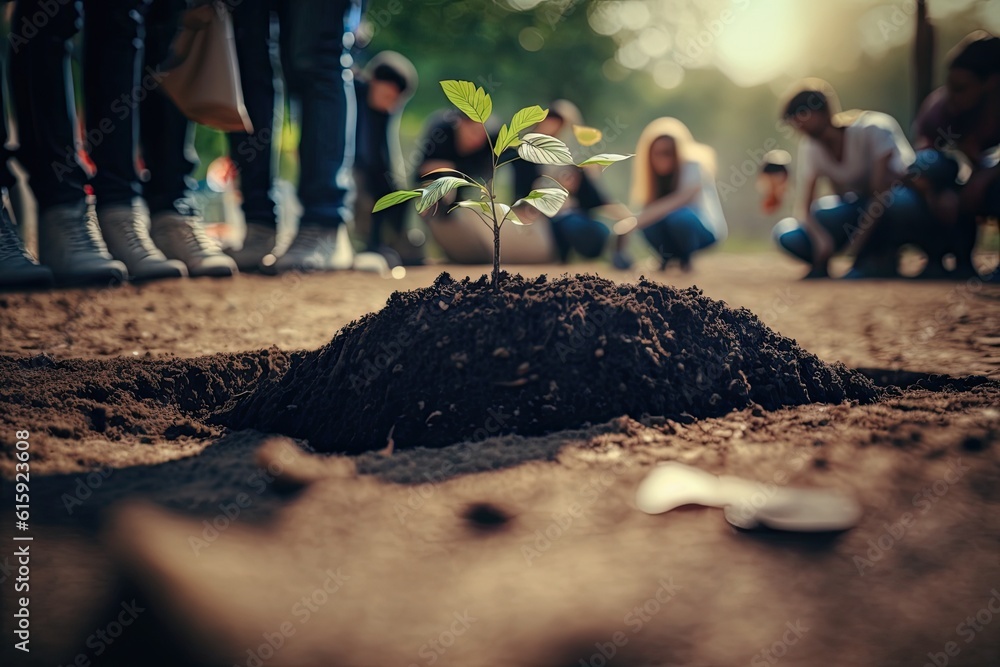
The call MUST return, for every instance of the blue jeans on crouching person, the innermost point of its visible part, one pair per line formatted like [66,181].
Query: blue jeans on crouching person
[679,235]
[576,231]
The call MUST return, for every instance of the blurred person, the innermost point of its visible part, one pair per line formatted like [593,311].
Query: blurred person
[673,181]
[575,228]
[314,42]
[864,156]
[387,83]
[453,141]
[772,181]
[70,243]
[962,119]
[167,147]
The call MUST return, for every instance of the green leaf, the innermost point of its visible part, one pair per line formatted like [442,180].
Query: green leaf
[546,200]
[543,149]
[481,205]
[394,198]
[527,117]
[604,159]
[521,121]
[504,211]
[438,189]
[505,139]
[473,102]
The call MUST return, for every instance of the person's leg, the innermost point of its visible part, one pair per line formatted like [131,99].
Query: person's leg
[165,135]
[254,154]
[685,234]
[579,232]
[791,237]
[112,50]
[658,238]
[69,241]
[18,269]
[314,62]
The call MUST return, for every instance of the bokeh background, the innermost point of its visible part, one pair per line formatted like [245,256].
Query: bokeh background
[721,66]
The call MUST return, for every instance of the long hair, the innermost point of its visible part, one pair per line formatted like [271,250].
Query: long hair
[644,182]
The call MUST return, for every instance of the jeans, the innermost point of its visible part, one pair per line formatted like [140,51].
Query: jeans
[312,46]
[41,86]
[906,219]
[679,235]
[165,133]
[577,231]
[252,154]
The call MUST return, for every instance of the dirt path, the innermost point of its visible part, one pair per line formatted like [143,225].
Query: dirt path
[516,551]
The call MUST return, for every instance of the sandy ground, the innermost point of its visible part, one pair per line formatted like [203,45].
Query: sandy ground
[230,548]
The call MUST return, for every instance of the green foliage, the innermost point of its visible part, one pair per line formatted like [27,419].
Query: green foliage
[472,101]
[394,198]
[543,149]
[534,147]
[546,200]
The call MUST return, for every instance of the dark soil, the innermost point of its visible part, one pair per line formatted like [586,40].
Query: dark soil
[456,361]
[123,397]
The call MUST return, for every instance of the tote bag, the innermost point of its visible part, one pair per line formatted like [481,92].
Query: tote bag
[202,76]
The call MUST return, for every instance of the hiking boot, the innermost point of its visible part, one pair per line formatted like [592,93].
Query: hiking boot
[17,267]
[126,231]
[70,244]
[258,243]
[182,237]
[316,248]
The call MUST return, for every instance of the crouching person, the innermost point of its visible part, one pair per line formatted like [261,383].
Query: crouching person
[864,157]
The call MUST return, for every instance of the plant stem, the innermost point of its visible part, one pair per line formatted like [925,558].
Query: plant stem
[496,257]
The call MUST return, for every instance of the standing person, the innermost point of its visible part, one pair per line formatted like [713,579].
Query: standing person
[673,181]
[389,80]
[864,156]
[453,141]
[964,117]
[315,38]
[168,153]
[69,238]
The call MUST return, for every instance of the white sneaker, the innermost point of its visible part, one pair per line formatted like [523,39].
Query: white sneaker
[316,248]
[70,243]
[182,237]
[258,244]
[126,231]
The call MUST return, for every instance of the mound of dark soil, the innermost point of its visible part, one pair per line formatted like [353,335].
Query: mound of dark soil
[456,362]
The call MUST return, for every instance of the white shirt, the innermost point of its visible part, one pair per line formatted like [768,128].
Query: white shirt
[869,138]
[706,203]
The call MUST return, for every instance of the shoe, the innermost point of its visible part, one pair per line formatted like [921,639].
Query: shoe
[316,248]
[70,244]
[17,267]
[126,231]
[258,243]
[181,237]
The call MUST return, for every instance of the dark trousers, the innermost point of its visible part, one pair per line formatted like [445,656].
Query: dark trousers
[311,46]
[165,133]
[42,91]
[113,83]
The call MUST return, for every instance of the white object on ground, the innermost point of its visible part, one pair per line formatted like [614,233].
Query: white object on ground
[747,504]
